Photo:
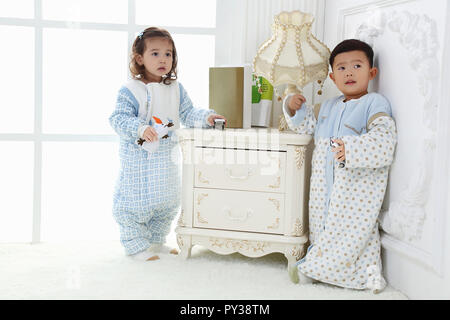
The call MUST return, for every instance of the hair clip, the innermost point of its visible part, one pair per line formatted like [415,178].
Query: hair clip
[140,35]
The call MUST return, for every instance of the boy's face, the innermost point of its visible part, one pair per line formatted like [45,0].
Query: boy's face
[351,72]
[157,58]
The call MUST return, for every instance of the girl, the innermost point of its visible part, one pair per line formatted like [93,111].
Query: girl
[146,197]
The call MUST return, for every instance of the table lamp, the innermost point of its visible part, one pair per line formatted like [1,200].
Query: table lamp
[292,56]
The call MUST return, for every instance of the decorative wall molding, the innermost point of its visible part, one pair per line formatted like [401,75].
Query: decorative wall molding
[406,249]
[417,33]
[404,218]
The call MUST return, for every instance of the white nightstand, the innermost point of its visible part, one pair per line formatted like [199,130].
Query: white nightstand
[244,190]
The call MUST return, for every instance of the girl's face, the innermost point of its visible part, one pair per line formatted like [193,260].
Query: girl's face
[352,73]
[157,58]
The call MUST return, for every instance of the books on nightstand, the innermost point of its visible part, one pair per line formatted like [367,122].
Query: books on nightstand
[262,94]
[230,94]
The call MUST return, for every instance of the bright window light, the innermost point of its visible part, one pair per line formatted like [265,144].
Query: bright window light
[16,189]
[17,79]
[195,56]
[106,11]
[83,71]
[78,180]
[177,13]
[79,52]
[17,9]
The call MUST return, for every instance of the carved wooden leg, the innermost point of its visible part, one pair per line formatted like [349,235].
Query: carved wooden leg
[292,254]
[185,244]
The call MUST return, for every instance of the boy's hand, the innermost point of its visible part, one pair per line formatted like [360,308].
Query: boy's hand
[215,116]
[340,151]
[295,103]
[150,134]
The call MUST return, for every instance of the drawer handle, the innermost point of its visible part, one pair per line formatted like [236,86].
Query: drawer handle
[243,217]
[230,174]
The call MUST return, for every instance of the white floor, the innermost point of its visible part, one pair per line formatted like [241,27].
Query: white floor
[100,270]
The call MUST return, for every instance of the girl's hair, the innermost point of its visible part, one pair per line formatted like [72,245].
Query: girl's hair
[138,48]
[352,45]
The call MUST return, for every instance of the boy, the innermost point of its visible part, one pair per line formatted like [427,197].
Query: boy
[349,173]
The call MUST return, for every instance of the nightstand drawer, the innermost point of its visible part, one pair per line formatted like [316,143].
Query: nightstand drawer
[254,170]
[239,210]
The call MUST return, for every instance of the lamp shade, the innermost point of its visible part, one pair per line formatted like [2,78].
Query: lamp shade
[292,55]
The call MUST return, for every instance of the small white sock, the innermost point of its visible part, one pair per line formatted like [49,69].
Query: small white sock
[379,287]
[375,280]
[161,248]
[145,256]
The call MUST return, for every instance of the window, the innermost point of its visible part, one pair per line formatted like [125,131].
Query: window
[78,87]
[16,79]
[16,170]
[66,62]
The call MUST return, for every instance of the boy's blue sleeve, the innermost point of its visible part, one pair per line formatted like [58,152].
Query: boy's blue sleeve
[190,116]
[124,119]
[303,121]
[374,149]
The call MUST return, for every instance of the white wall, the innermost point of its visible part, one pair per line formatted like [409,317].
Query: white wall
[417,280]
[411,39]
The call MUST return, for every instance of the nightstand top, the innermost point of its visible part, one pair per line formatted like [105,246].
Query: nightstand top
[254,138]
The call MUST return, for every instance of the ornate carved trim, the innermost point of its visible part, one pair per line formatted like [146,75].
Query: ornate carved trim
[240,245]
[276,203]
[200,197]
[184,151]
[181,219]
[282,126]
[296,251]
[275,225]
[300,156]
[180,241]
[201,178]
[277,183]
[200,219]
[298,228]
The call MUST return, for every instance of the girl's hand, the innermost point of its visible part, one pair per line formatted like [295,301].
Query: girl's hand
[215,116]
[295,103]
[150,135]
[340,151]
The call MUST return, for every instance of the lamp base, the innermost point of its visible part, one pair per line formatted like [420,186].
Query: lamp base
[282,124]
[290,89]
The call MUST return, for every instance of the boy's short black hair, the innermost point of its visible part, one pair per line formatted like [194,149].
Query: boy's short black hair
[352,45]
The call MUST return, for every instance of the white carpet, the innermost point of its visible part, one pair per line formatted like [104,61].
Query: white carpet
[100,270]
